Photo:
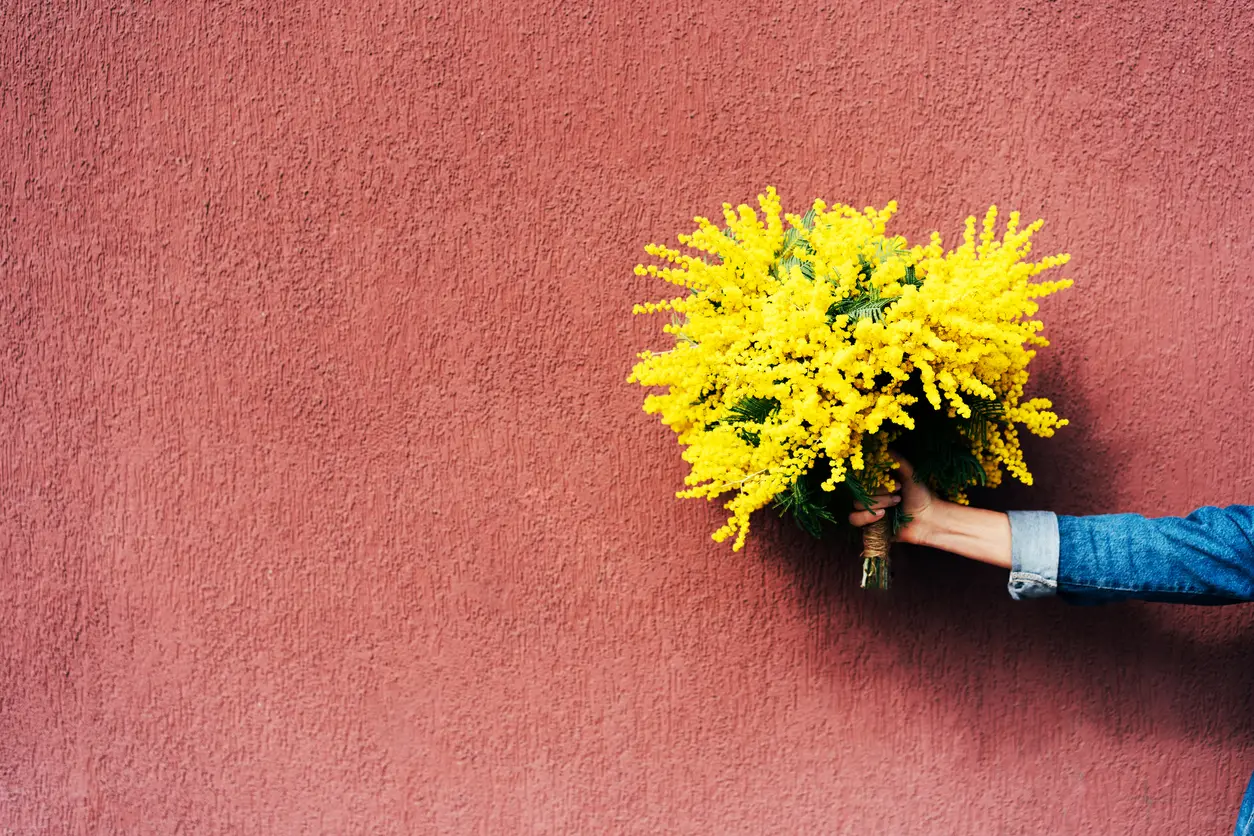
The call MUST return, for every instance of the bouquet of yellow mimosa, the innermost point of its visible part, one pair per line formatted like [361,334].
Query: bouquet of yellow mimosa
[806,345]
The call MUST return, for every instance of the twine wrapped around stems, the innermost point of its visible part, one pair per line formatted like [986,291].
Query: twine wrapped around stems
[875,542]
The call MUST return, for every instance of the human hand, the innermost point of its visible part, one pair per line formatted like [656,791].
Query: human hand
[915,498]
[971,532]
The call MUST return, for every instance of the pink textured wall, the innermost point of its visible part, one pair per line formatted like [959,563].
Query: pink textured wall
[326,508]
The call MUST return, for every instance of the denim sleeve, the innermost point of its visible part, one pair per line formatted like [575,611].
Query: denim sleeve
[1204,558]
[1033,554]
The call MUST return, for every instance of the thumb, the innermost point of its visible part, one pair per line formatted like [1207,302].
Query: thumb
[903,466]
[911,491]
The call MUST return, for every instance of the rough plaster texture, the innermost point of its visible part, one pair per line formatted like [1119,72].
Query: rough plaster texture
[326,509]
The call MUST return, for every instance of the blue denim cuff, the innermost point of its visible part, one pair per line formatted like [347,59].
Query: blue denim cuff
[1033,554]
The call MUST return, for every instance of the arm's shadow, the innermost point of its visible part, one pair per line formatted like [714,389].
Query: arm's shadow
[1130,667]
[1133,667]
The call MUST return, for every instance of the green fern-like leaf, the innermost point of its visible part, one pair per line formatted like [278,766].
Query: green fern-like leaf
[786,266]
[865,269]
[984,413]
[899,519]
[806,506]
[939,447]
[985,408]
[750,411]
[678,321]
[753,411]
[791,236]
[866,305]
[948,466]
[858,491]
[887,248]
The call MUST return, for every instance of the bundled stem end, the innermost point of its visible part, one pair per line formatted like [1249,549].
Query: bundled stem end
[875,542]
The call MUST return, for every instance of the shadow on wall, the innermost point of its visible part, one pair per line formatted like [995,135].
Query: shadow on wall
[1130,668]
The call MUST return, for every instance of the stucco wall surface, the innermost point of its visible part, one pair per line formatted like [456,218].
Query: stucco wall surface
[324,506]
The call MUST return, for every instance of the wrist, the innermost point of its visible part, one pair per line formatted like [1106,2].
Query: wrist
[926,525]
[923,525]
[976,533]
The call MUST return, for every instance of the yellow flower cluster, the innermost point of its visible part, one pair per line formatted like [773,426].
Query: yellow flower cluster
[826,318]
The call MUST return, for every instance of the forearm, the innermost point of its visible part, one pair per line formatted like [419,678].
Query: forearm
[976,533]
